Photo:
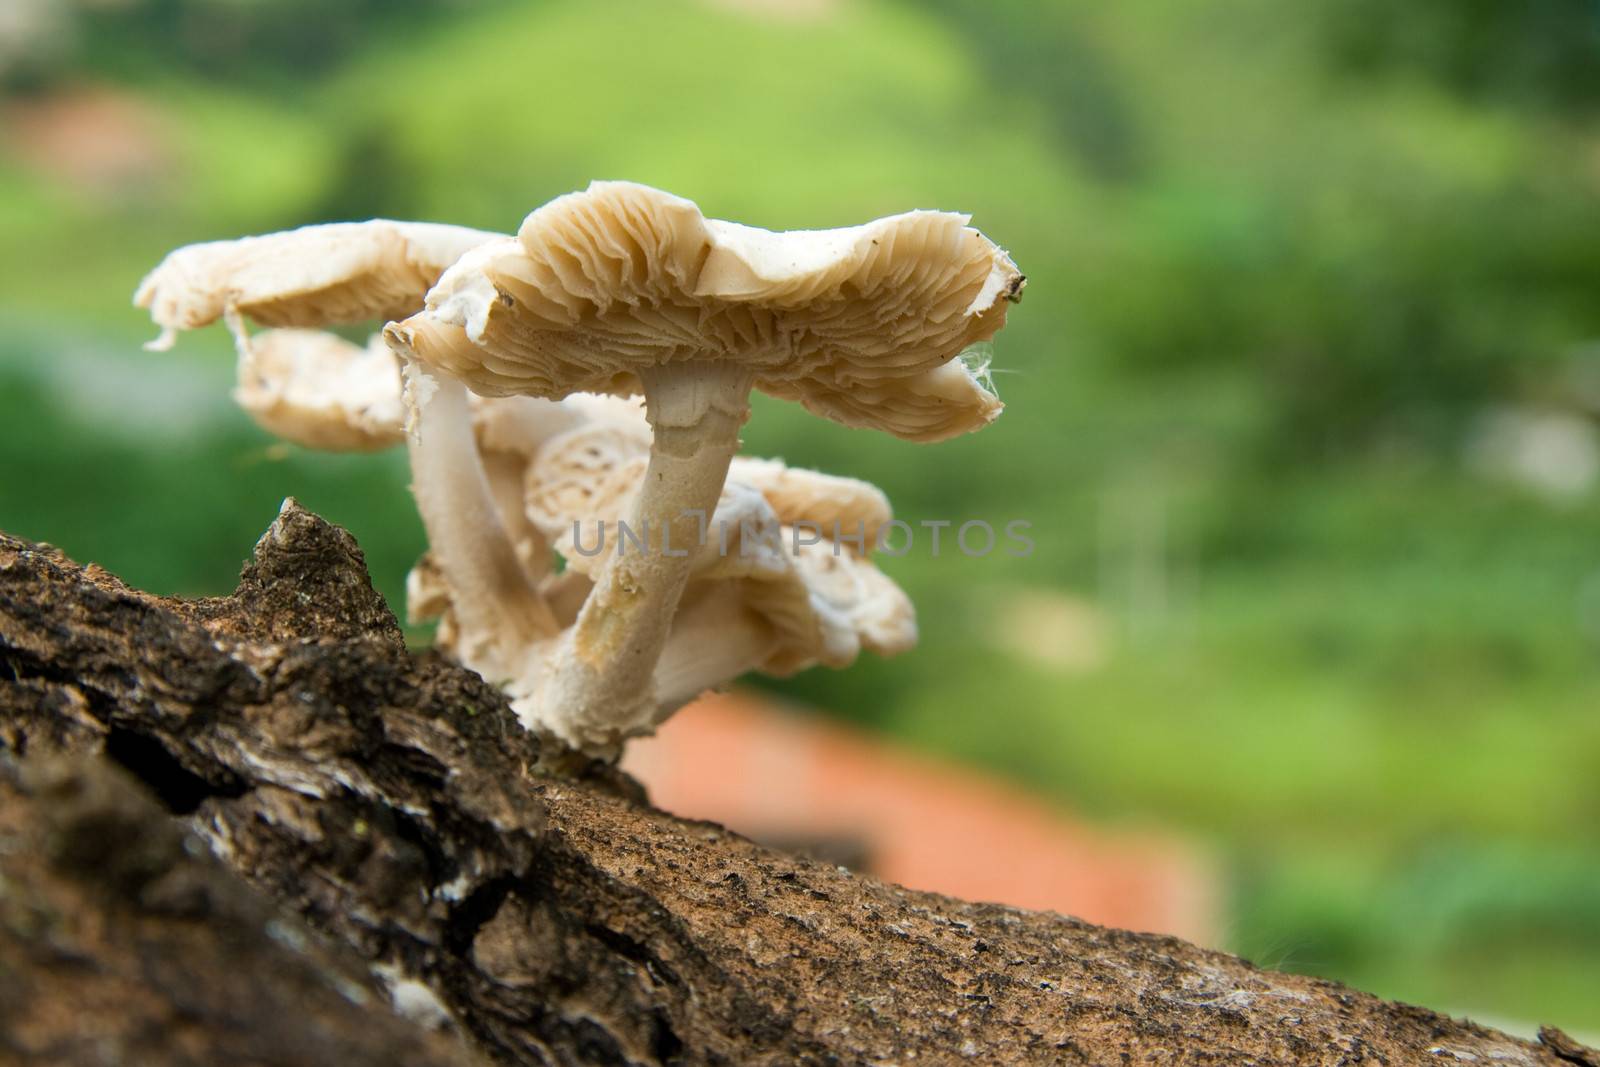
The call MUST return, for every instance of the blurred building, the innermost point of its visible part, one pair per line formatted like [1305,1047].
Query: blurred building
[801,781]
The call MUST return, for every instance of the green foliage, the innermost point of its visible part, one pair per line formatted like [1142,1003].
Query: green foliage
[234,40]
[168,497]
[1537,54]
[1470,909]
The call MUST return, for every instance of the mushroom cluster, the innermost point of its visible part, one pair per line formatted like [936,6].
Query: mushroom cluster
[511,367]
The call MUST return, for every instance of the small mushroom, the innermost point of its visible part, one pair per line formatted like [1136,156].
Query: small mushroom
[760,596]
[319,390]
[340,272]
[847,510]
[623,288]
[351,272]
[499,614]
[588,475]
[816,602]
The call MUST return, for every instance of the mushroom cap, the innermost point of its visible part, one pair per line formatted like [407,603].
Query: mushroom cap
[585,475]
[839,507]
[848,605]
[823,601]
[319,390]
[860,324]
[338,272]
[523,424]
[428,598]
[590,473]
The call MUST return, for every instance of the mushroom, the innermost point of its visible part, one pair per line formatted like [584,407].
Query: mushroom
[500,617]
[759,597]
[586,476]
[352,272]
[777,604]
[846,510]
[624,288]
[314,276]
[510,431]
[319,390]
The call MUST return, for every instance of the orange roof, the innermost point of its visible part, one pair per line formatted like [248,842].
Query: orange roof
[775,775]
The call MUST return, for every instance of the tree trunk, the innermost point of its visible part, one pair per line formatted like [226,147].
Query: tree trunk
[392,803]
[123,942]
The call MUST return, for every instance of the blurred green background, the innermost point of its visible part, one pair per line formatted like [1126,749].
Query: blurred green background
[1301,401]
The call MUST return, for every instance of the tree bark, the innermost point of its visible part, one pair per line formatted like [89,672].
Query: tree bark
[123,942]
[392,803]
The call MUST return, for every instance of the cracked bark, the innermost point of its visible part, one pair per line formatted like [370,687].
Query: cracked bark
[391,802]
[123,942]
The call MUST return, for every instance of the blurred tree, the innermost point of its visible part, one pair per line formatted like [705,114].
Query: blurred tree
[368,180]
[1369,288]
[1046,51]
[1540,54]
[232,39]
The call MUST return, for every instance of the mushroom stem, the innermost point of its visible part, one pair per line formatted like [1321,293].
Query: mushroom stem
[598,687]
[492,592]
[503,473]
[714,641]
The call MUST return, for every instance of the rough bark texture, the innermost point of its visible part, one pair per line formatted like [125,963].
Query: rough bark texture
[123,942]
[392,803]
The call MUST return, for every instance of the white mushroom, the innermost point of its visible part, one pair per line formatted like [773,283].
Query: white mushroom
[352,272]
[769,590]
[621,289]
[319,390]
[500,617]
[340,272]
[624,288]
[759,597]
[848,510]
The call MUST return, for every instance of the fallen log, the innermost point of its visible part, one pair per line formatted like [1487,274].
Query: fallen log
[391,802]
